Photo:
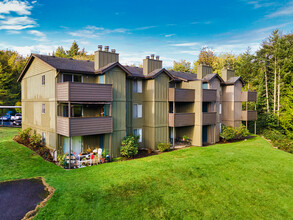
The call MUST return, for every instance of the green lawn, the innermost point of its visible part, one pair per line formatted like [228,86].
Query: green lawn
[244,180]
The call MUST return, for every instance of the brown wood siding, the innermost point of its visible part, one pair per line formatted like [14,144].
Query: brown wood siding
[181,95]
[70,91]
[248,115]
[209,118]
[84,126]
[247,96]
[181,119]
[209,95]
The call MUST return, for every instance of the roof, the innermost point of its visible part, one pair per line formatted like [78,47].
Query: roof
[88,67]
[110,66]
[186,76]
[211,76]
[61,64]
[233,80]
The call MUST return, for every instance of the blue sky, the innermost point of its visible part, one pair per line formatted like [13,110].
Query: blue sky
[174,30]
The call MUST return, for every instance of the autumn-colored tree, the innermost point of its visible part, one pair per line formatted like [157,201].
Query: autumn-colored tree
[181,66]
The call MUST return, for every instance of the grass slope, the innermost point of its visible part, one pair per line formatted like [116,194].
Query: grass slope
[248,179]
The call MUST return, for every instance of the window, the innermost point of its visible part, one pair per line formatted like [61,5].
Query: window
[101,79]
[205,85]
[220,108]
[72,78]
[77,78]
[137,111]
[205,107]
[220,128]
[43,109]
[67,78]
[138,132]
[43,137]
[43,80]
[137,86]
[76,111]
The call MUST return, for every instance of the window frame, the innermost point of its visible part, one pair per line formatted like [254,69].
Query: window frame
[43,108]
[136,132]
[43,137]
[43,80]
[136,107]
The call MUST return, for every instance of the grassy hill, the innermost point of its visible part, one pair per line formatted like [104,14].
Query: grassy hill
[242,180]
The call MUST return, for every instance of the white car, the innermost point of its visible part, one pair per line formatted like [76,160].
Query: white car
[17,116]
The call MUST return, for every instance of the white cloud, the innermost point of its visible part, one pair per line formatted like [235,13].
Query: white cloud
[19,7]
[15,27]
[201,22]
[37,33]
[170,35]
[190,52]
[284,11]
[185,44]
[41,49]
[18,21]
[260,4]
[145,28]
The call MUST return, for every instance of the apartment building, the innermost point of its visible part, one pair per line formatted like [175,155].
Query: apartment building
[76,104]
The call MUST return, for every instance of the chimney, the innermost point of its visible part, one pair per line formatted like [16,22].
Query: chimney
[227,74]
[103,58]
[151,64]
[203,70]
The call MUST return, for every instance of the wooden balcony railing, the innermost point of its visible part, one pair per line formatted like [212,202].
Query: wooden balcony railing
[181,119]
[84,126]
[72,91]
[181,95]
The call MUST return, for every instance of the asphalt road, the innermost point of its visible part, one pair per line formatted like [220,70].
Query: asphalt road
[19,197]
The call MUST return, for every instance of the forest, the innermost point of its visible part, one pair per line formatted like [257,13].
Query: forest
[269,71]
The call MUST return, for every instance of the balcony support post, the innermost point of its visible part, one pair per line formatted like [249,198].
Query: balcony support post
[69,115]
[174,122]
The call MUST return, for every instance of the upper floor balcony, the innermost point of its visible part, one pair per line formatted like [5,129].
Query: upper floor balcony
[181,119]
[91,92]
[209,118]
[209,95]
[248,96]
[181,95]
[249,115]
[80,126]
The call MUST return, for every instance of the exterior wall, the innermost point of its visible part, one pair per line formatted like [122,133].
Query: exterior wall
[232,105]
[33,95]
[193,132]
[215,129]
[155,111]
[117,78]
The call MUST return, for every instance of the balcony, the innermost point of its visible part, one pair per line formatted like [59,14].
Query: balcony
[247,96]
[91,92]
[181,95]
[84,126]
[209,118]
[209,95]
[249,115]
[181,119]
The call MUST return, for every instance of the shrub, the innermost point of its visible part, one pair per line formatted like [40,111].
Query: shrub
[228,133]
[279,140]
[129,146]
[163,147]
[24,135]
[35,141]
[241,132]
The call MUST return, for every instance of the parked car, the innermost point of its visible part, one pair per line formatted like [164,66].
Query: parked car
[17,116]
[17,122]
[5,118]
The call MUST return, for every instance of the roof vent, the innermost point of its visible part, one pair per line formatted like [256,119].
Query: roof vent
[152,56]
[113,51]
[157,57]
[100,47]
[107,48]
[147,57]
